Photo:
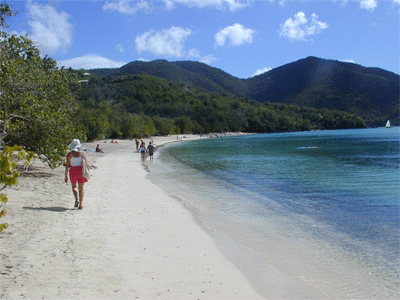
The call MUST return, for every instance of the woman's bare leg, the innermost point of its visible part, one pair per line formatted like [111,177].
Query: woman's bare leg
[75,192]
[80,188]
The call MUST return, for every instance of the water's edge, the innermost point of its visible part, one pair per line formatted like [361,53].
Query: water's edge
[266,279]
[308,260]
[262,275]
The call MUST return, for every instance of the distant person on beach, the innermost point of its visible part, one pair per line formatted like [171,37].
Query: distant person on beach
[98,149]
[137,145]
[150,148]
[75,158]
[143,150]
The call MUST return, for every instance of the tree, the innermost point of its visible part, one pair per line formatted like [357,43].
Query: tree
[186,125]
[37,94]
[165,126]
[36,108]
[5,10]
[94,120]
[149,128]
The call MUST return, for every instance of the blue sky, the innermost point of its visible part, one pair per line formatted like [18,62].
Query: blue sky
[241,37]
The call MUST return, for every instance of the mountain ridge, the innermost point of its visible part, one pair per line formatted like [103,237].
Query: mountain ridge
[372,93]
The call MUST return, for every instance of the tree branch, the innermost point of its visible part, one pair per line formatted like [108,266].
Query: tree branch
[3,123]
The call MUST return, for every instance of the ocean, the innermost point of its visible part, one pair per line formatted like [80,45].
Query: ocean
[321,206]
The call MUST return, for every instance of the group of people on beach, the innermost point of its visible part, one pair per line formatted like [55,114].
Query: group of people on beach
[141,147]
[76,161]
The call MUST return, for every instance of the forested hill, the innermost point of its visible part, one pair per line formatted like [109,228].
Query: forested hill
[193,74]
[140,105]
[372,93]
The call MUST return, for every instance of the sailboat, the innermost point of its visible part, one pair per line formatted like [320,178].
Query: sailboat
[388,124]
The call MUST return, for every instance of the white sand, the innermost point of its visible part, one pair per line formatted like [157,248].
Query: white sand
[130,241]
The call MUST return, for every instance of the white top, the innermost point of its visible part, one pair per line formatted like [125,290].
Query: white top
[76,161]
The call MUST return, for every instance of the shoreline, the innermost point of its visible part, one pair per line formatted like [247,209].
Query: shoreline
[132,240]
[268,280]
[309,249]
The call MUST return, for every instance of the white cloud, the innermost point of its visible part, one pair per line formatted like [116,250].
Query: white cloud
[349,60]
[195,54]
[120,47]
[235,35]
[261,71]
[368,4]
[91,61]
[396,2]
[299,27]
[128,7]
[208,59]
[167,42]
[233,5]
[50,29]
[282,2]
[133,6]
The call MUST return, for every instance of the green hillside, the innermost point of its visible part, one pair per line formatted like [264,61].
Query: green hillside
[227,83]
[368,92]
[371,93]
[193,74]
[139,105]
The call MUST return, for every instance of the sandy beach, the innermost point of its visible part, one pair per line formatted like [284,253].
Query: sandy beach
[131,240]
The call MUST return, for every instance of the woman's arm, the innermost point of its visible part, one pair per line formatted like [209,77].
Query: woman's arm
[67,165]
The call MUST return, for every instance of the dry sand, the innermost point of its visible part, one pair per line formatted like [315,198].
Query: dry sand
[130,241]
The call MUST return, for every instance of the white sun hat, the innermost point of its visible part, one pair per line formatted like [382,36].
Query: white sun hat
[75,145]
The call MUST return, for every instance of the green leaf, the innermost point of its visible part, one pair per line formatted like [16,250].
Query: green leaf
[3,198]
[3,226]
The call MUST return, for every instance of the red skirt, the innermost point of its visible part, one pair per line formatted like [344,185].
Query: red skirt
[75,174]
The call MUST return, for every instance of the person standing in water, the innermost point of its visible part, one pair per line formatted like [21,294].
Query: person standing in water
[143,150]
[137,145]
[150,148]
[74,166]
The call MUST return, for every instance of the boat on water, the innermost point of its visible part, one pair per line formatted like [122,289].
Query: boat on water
[388,124]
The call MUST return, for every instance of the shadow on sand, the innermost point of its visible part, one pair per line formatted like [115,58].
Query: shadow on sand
[52,208]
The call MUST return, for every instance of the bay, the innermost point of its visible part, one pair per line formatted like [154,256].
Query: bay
[321,206]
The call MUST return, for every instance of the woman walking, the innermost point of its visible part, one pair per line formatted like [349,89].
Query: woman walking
[75,158]
[143,150]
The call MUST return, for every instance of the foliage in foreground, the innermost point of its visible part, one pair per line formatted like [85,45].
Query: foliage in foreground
[36,108]
[9,158]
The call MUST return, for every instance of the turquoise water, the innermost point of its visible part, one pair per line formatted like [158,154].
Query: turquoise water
[326,201]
